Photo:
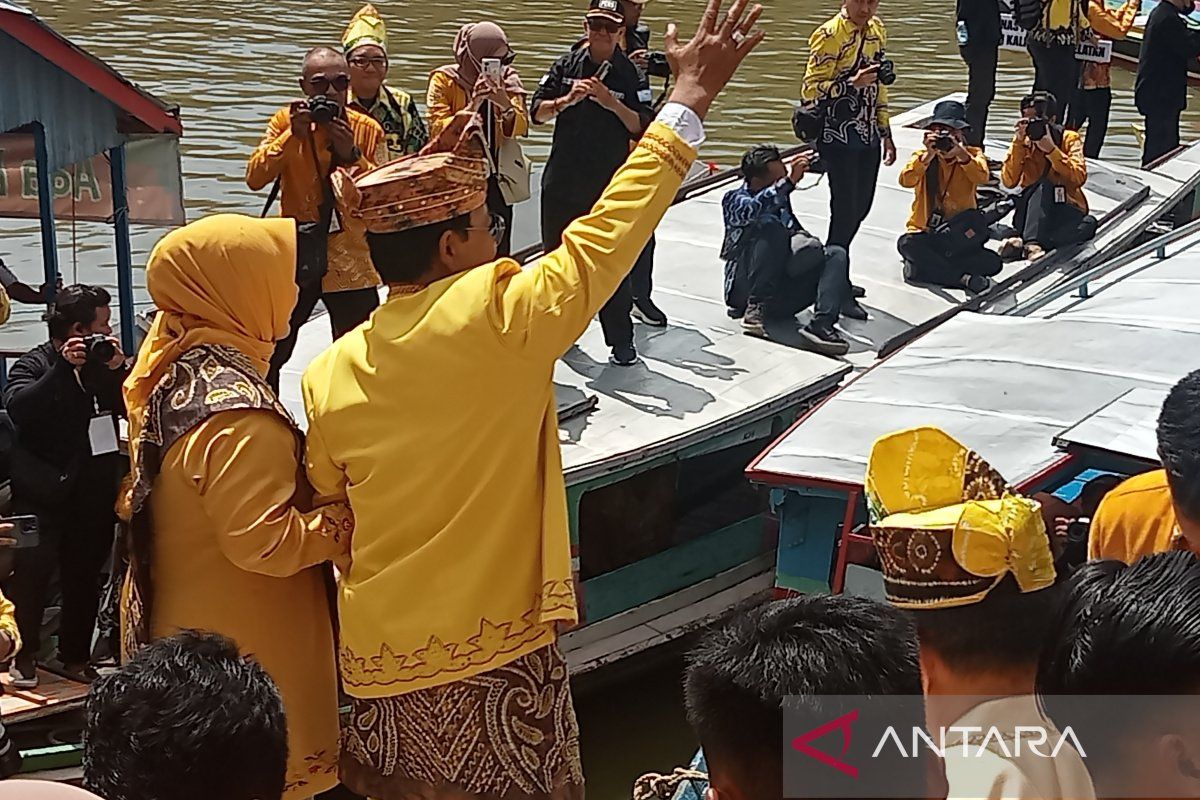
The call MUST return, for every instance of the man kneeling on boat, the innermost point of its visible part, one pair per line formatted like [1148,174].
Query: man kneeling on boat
[461,573]
[1047,162]
[947,236]
[774,268]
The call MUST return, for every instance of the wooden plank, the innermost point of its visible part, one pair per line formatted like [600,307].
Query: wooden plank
[54,694]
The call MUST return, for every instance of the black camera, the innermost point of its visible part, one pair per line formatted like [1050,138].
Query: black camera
[657,65]
[100,349]
[887,72]
[323,110]
[943,142]
[1036,128]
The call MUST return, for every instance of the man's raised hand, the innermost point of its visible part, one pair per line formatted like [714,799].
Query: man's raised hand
[705,65]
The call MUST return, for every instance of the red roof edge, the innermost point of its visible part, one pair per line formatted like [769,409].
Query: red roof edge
[89,70]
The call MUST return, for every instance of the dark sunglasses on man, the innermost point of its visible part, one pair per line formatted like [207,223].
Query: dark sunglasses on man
[321,84]
[496,226]
[603,25]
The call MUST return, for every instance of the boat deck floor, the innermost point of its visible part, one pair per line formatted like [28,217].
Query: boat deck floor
[54,694]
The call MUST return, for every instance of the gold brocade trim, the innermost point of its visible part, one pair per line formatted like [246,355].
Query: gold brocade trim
[315,765]
[665,149]
[494,639]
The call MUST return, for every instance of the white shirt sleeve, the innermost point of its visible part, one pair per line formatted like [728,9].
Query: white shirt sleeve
[683,121]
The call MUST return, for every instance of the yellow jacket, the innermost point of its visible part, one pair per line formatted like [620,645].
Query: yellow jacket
[1025,166]
[836,51]
[447,97]
[8,625]
[282,156]
[1111,25]
[956,186]
[437,421]
[1136,519]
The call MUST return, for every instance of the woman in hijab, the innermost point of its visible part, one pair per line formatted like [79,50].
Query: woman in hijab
[501,100]
[220,535]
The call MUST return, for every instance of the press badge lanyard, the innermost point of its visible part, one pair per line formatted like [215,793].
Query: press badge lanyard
[102,429]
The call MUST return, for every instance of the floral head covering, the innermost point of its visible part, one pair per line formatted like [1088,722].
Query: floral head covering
[947,526]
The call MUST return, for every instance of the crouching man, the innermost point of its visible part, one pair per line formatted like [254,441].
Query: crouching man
[774,268]
[945,242]
[1047,162]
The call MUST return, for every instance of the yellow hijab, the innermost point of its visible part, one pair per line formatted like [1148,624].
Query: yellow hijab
[225,279]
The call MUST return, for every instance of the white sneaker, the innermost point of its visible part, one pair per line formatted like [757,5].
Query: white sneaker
[22,680]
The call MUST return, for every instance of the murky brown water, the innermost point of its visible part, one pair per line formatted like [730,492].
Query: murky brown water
[231,63]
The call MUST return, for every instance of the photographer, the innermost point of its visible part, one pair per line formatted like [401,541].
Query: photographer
[594,94]
[64,397]
[944,175]
[774,268]
[1047,162]
[847,78]
[302,151]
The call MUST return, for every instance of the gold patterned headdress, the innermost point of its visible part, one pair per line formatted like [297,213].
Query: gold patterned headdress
[447,179]
[366,27]
[946,525]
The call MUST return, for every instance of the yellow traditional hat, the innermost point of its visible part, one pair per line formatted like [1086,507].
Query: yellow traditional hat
[366,27]
[947,526]
[445,180]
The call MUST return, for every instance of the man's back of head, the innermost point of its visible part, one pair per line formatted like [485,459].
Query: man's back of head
[187,719]
[1179,450]
[740,674]
[1122,667]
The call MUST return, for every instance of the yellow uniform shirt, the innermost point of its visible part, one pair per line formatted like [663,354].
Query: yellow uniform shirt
[955,189]
[1025,166]
[447,97]
[838,49]
[437,421]
[1136,519]
[290,159]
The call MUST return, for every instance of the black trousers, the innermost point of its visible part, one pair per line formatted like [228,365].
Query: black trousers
[1091,107]
[1162,136]
[784,273]
[931,265]
[75,538]
[981,89]
[347,310]
[1039,220]
[642,276]
[559,211]
[496,205]
[852,175]
[1056,71]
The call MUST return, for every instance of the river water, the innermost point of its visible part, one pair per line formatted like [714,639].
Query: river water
[230,63]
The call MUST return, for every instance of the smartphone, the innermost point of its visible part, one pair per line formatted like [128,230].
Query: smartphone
[492,68]
[25,530]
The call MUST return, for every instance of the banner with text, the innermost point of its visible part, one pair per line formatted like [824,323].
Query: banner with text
[84,190]
[1014,39]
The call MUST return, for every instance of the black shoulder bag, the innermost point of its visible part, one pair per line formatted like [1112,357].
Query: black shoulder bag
[312,238]
[964,231]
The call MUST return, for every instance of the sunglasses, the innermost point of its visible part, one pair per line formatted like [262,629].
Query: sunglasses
[605,25]
[362,62]
[509,59]
[320,83]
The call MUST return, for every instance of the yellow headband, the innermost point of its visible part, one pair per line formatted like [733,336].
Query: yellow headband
[366,27]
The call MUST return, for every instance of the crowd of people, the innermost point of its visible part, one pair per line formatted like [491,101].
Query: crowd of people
[261,571]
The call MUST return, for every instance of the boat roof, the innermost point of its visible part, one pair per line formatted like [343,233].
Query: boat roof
[1092,369]
[701,375]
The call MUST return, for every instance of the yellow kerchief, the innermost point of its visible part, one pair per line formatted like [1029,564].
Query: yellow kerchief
[945,524]
[366,27]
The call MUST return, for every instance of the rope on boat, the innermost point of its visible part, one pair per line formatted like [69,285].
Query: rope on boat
[653,786]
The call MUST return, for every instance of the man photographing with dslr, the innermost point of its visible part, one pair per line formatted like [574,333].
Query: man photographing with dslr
[1047,162]
[307,149]
[64,397]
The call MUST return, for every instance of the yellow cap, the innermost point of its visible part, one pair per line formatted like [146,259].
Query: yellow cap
[366,27]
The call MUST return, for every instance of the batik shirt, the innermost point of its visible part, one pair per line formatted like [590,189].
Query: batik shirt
[854,117]
[397,112]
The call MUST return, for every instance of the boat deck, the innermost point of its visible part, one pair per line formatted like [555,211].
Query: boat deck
[1011,386]
[53,695]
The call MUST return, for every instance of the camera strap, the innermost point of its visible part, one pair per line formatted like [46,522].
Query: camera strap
[327,211]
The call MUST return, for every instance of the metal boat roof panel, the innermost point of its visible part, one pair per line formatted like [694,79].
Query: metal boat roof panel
[1126,426]
[1009,385]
